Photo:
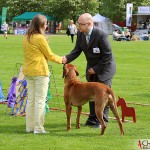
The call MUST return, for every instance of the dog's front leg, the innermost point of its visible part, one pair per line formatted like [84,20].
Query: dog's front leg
[78,117]
[68,113]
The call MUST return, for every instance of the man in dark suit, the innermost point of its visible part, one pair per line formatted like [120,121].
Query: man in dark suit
[101,66]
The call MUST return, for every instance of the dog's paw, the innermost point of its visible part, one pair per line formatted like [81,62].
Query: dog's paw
[78,126]
[68,129]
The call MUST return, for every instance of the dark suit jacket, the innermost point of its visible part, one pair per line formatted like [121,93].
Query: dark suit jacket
[102,61]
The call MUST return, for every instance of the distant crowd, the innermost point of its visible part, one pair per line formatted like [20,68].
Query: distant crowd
[119,35]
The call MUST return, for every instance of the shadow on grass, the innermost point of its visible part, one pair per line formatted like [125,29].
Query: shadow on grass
[54,130]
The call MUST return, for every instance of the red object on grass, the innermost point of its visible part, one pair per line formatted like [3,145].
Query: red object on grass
[126,111]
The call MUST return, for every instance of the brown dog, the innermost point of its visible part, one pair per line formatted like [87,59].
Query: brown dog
[77,93]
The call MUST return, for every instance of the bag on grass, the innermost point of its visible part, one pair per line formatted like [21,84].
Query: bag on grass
[21,100]
[11,97]
[47,100]
[68,32]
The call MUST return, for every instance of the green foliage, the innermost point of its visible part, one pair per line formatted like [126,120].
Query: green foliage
[116,10]
[71,9]
[18,7]
[131,82]
[145,3]
[2,4]
[64,9]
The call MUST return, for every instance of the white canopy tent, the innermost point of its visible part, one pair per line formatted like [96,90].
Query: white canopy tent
[103,23]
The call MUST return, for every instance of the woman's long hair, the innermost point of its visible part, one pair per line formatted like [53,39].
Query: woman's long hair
[36,26]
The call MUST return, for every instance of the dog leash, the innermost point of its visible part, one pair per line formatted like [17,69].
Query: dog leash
[82,76]
[88,77]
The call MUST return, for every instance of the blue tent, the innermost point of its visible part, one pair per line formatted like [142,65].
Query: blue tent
[30,15]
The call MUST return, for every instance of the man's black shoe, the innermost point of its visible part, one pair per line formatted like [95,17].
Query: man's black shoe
[92,123]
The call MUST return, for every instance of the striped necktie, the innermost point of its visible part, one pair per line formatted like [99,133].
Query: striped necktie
[87,39]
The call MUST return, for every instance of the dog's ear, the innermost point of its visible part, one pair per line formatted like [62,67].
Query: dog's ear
[77,73]
[63,71]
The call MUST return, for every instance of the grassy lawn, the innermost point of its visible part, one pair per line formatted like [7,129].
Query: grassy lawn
[132,82]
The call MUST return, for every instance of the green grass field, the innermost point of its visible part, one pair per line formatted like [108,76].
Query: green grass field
[132,82]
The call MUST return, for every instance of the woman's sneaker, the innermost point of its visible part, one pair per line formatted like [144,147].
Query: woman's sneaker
[40,132]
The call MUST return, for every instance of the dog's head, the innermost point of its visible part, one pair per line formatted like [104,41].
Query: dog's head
[67,68]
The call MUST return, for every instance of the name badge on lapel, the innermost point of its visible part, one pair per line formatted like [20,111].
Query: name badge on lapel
[96,50]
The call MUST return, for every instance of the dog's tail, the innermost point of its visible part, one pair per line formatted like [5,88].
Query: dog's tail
[113,107]
[112,94]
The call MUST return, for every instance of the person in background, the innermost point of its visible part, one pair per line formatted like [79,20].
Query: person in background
[127,35]
[35,68]
[73,30]
[5,29]
[117,35]
[59,27]
[101,66]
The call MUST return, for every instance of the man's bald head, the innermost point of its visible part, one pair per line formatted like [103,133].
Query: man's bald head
[85,22]
[86,17]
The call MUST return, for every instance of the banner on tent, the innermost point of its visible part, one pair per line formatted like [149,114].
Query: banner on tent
[129,9]
[144,9]
[20,31]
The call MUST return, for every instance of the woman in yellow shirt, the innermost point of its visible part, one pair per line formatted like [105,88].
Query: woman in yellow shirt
[35,68]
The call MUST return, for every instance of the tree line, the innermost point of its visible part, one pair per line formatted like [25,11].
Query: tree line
[71,9]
